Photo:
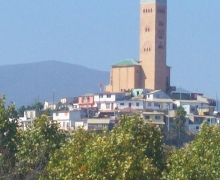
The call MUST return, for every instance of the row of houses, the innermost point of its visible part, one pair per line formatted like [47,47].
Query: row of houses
[95,111]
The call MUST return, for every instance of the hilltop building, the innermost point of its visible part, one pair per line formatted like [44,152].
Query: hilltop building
[151,71]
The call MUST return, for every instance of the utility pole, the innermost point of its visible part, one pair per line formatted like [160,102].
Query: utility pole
[180,95]
[53,99]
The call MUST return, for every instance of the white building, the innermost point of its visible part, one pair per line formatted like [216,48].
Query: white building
[158,104]
[107,101]
[50,105]
[194,122]
[134,104]
[29,116]
[82,123]
[67,118]
[157,94]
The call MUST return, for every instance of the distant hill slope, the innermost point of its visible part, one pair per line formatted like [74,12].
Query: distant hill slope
[23,83]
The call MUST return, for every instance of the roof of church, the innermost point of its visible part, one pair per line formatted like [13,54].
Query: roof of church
[127,62]
[154,1]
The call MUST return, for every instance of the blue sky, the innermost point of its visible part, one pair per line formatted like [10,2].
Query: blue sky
[98,33]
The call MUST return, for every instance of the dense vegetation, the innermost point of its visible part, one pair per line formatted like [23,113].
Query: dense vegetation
[132,150]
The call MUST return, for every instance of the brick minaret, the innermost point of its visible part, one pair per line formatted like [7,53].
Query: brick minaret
[153,25]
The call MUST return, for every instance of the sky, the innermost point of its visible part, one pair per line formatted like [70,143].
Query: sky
[97,34]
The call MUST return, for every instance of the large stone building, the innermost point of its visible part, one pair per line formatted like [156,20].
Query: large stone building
[151,71]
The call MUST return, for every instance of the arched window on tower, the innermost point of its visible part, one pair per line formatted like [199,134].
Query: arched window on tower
[147,47]
[147,28]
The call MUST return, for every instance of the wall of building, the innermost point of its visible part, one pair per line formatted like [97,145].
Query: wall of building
[124,78]
[86,101]
[138,104]
[155,118]
[190,109]
[153,45]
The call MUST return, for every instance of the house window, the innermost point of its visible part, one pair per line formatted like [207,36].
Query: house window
[192,109]
[31,115]
[122,104]
[137,104]
[101,95]
[149,104]
[108,95]
[107,105]
[99,105]
[156,104]
[85,99]
[157,117]
[147,117]
[197,127]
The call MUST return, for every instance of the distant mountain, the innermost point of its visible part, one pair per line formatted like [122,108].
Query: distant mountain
[25,83]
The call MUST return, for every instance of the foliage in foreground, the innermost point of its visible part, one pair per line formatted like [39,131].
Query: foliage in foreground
[199,160]
[38,142]
[133,150]
[8,137]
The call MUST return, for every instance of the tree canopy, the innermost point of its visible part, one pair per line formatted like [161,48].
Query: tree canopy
[8,137]
[132,150]
[198,160]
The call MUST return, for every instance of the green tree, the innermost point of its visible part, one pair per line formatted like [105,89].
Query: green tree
[70,161]
[8,137]
[38,142]
[199,160]
[179,121]
[36,106]
[61,107]
[21,111]
[132,150]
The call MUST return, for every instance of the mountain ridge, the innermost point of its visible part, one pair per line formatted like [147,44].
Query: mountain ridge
[25,83]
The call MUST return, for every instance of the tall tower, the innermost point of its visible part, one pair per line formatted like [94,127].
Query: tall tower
[153,25]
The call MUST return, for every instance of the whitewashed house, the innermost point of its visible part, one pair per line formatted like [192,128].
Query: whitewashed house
[157,94]
[196,103]
[107,101]
[81,123]
[50,105]
[70,102]
[158,104]
[193,122]
[67,118]
[29,116]
[132,103]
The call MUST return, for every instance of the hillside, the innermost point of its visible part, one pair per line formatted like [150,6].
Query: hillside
[24,83]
